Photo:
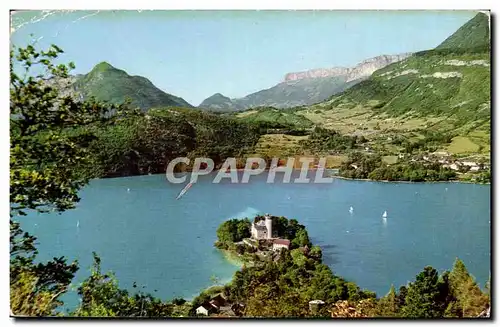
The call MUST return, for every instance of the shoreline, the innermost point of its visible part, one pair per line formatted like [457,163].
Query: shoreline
[332,176]
[407,182]
[231,258]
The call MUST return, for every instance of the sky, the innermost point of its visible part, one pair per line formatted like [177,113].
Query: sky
[195,54]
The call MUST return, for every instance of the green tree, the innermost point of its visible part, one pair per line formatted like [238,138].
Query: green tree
[425,296]
[231,231]
[47,150]
[316,253]
[469,299]
[388,306]
[301,239]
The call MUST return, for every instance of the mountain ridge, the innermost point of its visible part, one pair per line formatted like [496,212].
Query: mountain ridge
[303,88]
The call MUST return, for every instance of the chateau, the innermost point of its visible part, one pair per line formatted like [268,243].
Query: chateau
[263,230]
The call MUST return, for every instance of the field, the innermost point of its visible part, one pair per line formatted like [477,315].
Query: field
[279,145]
[390,159]
[284,146]
[462,144]
[363,121]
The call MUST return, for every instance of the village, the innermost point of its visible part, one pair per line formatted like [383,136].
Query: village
[460,165]
[445,159]
[466,168]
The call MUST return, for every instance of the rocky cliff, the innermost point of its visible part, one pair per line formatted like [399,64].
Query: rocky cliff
[360,71]
[317,73]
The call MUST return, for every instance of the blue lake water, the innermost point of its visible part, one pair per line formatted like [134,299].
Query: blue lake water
[145,235]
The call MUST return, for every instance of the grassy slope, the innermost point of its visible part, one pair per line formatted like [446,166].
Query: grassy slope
[474,34]
[446,90]
[275,116]
[456,86]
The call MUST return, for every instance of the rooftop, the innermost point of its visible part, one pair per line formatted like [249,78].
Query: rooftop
[282,242]
[260,227]
[207,306]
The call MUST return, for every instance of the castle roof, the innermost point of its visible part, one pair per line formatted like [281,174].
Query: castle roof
[260,227]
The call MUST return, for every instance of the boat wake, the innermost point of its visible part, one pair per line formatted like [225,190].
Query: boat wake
[249,212]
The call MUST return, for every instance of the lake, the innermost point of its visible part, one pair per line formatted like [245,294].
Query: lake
[146,236]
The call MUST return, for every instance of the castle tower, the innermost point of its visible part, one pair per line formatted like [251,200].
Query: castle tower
[269,226]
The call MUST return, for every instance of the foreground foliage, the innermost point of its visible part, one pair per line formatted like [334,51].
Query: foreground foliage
[50,143]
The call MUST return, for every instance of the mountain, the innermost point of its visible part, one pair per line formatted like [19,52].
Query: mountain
[452,80]
[303,88]
[217,102]
[107,83]
[475,34]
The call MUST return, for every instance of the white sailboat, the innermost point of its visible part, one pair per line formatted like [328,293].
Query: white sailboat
[351,209]
[77,224]
[384,215]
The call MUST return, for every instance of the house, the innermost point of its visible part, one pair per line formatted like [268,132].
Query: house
[217,302]
[280,244]
[215,305]
[454,166]
[441,153]
[205,309]
[227,309]
[468,163]
[474,168]
[354,166]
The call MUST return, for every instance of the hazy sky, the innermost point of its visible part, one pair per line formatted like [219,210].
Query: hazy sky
[194,54]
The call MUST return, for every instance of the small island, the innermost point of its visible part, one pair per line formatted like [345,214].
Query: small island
[263,238]
[282,273]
